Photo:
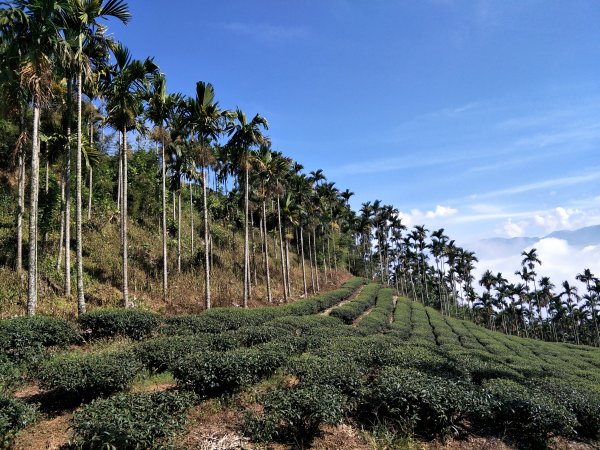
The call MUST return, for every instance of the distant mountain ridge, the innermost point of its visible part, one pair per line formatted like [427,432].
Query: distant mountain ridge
[501,247]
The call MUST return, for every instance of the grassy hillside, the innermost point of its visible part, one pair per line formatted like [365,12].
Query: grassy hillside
[103,267]
[356,367]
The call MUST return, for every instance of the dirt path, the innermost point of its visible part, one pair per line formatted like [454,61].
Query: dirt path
[362,316]
[394,303]
[349,299]
[47,433]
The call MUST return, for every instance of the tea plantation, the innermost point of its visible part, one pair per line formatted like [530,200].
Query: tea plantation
[355,355]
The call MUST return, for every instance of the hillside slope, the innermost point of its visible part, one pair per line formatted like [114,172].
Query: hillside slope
[356,365]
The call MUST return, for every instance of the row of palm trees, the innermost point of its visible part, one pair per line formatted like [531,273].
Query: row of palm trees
[432,269]
[55,52]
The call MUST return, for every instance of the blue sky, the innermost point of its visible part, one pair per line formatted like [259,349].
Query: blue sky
[479,116]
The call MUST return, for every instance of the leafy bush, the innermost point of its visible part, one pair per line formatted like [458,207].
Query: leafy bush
[14,415]
[25,338]
[107,323]
[89,375]
[259,334]
[340,374]
[131,421]
[527,415]
[377,320]
[582,402]
[352,310]
[296,414]
[419,403]
[160,353]
[216,373]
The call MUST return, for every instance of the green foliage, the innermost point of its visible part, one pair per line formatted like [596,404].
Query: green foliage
[417,402]
[296,414]
[131,421]
[14,416]
[88,375]
[349,312]
[215,373]
[526,415]
[111,322]
[377,320]
[26,338]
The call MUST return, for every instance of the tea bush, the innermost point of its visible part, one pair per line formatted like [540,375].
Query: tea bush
[349,312]
[295,414]
[424,404]
[26,338]
[111,322]
[14,416]
[131,421]
[524,414]
[89,375]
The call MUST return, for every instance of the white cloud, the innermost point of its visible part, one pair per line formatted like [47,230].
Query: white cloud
[416,216]
[512,230]
[560,261]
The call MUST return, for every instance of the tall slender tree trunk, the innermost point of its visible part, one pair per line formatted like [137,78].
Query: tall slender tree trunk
[312,276]
[283,273]
[179,229]
[20,213]
[62,224]
[124,221]
[207,239]
[164,220]
[32,294]
[78,206]
[325,266]
[68,192]
[303,265]
[192,219]
[91,173]
[246,273]
[120,180]
[266,250]
[287,268]
[316,262]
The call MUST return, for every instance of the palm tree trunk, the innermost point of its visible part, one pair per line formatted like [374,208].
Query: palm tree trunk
[287,269]
[20,213]
[303,268]
[283,273]
[207,239]
[316,262]
[124,220]
[246,273]
[325,266]
[120,180]
[33,216]
[68,193]
[89,211]
[266,251]
[62,224]
[164,220]
[179,229]
[192,219]
[78,207]
[310,258]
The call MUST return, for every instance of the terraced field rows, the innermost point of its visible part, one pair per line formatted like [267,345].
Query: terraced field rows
[422,374]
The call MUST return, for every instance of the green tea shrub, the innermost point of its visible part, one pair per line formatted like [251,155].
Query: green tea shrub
[378,319]
[107,323]
[88,375]
[340,374]
[14,416]
[528,416]
[295,414]
[349,312]
[420,403]
[131,421]
[580,400]
[216,373]
[25,338]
